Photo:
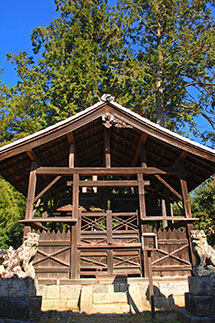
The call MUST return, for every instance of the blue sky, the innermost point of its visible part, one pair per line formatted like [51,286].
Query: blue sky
[17,20]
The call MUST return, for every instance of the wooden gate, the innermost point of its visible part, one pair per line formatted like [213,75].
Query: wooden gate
[109,244]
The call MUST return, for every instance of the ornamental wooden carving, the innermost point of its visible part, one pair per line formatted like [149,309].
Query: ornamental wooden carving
[109,120]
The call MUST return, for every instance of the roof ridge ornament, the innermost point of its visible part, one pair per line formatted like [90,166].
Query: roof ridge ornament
[107,98]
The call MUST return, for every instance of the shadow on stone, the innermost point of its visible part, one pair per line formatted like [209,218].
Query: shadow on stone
[160,300]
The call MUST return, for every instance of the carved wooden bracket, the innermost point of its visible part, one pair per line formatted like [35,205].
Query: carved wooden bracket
[109,120]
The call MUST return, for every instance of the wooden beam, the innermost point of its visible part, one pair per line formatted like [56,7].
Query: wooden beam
[31,154]
[112,183]
[180,158]
[103,171]
[142,139]
[47,187]
[167,185]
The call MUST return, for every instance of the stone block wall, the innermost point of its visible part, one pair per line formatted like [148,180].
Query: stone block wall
[106,297]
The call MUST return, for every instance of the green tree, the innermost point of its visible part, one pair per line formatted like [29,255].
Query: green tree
[173,43]
[12,206]
[203,207]
[73,69]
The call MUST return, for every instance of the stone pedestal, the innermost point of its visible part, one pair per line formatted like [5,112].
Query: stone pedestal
[200,301]
[18,300]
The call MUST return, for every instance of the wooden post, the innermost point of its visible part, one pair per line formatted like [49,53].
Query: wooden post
[107,147]
[74,260]
[151,289]
[109,241]
[31,194]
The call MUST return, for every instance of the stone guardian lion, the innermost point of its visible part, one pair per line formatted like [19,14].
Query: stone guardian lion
[205,254]
[20,262]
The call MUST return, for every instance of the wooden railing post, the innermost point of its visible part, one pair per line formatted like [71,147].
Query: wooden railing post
[109,241]
[74,261]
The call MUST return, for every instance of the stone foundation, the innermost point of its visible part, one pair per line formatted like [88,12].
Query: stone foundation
[129,296]
[18,300]
[200,301]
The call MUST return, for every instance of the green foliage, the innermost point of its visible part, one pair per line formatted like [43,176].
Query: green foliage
[173,45]
[155,57]
[203,207]
[12,205]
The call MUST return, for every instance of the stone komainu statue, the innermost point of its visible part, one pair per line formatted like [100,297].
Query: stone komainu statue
[205,254]
[19,262]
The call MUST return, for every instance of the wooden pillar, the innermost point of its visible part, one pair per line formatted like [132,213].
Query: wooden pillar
[142,202]
[165,207]
[70,138]
[107,147]
[109,241]
[187,208]
[74,260]
[30,196]
[184,190]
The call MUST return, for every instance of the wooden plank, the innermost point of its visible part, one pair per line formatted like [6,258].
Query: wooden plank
[51,270]
[171,268]
[107,246]
[175,218]
[47,187]
[48,219]
[168,186]
[103,171]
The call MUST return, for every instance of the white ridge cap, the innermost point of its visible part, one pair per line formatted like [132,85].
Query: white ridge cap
[162,129]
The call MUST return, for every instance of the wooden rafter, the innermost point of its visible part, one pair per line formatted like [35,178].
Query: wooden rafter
[142,140]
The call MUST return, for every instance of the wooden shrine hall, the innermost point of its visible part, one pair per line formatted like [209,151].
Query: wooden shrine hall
[102,187]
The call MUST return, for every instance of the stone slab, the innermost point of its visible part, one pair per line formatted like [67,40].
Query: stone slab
[20,287]
[200,305]
[204,286]
[86,301]
[189,318]
[104,298]
[20,308]
[70,291]
[53,291]
[135,299]
[111,308]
